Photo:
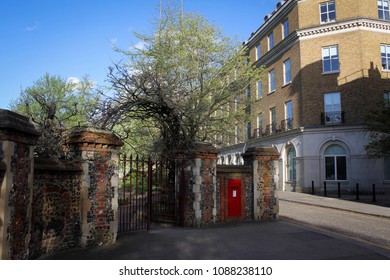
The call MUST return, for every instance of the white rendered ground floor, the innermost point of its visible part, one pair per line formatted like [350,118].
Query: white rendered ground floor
[328,156]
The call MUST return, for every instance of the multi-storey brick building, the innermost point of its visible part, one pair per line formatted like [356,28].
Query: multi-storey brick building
[327,64]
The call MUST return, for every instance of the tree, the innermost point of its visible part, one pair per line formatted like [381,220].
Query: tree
[378,123]
[54,104]
[182,83]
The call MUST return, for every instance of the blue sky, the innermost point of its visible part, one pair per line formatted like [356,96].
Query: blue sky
[73,38]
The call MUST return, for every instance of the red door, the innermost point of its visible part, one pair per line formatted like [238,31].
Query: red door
[234,198]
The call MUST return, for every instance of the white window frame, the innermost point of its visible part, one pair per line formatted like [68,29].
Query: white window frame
[330,54]
[335,114]
[286,28]
[385,56]
[258,51]
[271,41]
[271,81]
[334,158]
[384,9]
[287,72]
[260,120]
[273,119]
[291,166]
[288,110]
[327,12]
[259,89]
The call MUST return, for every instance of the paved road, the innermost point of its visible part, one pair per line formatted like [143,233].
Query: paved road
[372,229]
[279,240]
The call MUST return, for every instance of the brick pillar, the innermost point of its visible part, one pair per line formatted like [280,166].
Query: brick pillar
[97,150]
[198,187]
[17,137]
[264,162]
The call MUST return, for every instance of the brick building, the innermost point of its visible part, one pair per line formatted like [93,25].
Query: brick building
[327,63]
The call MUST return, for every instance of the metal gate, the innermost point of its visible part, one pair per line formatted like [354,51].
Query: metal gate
[146,193]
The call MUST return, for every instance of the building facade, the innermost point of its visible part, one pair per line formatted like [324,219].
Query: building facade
[327,63]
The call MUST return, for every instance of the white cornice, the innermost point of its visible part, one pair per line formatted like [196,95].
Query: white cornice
[343,27]
[275,17]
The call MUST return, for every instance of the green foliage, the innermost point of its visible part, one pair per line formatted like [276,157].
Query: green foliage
[53,105]
[182,83]
[52,98]
[378,122]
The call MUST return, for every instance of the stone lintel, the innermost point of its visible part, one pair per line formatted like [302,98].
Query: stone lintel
[17,128]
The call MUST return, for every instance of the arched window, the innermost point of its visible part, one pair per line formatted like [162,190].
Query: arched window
[335,163]
[291,164]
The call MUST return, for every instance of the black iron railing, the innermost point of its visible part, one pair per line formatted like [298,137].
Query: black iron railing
[271,129]
[333,117]
[286,124]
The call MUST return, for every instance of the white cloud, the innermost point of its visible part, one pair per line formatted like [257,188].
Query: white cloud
[33,27]
[140,45]
[73,80]
[81,84]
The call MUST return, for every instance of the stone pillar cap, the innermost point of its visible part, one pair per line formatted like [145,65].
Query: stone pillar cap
[16,127]
[261,151]
[93,135]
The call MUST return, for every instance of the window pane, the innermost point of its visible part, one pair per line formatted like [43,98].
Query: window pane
[325,53]
[270,41]
[332,102]
[271,77]
[332,16]
[335,150]
[291,161]
[273,114]
[273,119]
[259,89]
[335,65]
[287,76]
[258,50]
[327,67]
[328,102]
[323,8]
[330,168]
[333,51]
[341,168]
[260,121]
[286,28]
